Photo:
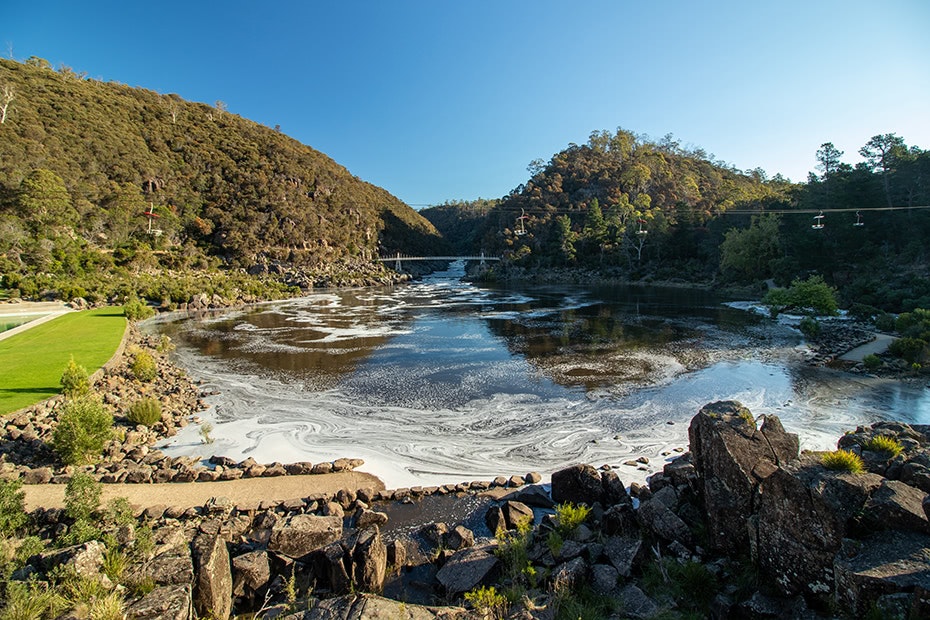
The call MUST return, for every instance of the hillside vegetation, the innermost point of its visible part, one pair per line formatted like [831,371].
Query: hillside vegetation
[82,160]
[629,207]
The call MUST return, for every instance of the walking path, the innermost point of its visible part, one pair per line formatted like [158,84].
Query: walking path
[51,310]
[879,345]
[188,494]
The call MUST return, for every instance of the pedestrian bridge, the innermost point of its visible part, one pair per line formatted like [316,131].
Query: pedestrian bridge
[399,259]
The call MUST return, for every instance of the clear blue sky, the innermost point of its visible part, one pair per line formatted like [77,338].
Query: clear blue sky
[442,99]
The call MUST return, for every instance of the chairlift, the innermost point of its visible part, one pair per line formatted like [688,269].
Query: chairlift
[641,231]
[521,230]
[151,215]
[818,222]
[859,221]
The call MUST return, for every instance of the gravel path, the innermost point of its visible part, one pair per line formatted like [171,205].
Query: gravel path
[187,494]
[879,345]
[50,310]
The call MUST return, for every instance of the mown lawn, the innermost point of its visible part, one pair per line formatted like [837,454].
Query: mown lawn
[31,363]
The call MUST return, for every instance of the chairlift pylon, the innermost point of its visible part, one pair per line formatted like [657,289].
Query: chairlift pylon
[818,221]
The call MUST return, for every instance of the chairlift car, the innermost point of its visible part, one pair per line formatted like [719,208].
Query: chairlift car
[859,221]
[521,230]
[151,215]
[818,221]
[641,231]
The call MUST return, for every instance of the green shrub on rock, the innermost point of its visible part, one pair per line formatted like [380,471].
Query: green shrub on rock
[883,443]
[74,380]
[910,349]
[146,411]
[143,367]
[810,327]
[872,361]
[84,427]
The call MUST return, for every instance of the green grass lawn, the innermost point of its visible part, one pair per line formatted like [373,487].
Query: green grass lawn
[31,363]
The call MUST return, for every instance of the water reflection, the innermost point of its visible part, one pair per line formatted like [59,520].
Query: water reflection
[442,381]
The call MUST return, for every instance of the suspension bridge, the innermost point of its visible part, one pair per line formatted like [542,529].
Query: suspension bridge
[399,259]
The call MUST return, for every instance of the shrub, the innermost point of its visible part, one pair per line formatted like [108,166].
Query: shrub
[910,349]
[883,443]
[570,516]
[884,322]
[12,507]
[27,600]
[872,361]
[136,310]
[146,411]
[143,367]
[843,460]
[82,497]
[205,429]
[83,428]
[810,327]
[487,602]
[119,511]
[74,380]
[813,294]
[863,312]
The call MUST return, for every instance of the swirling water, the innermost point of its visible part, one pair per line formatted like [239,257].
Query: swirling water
[443,381]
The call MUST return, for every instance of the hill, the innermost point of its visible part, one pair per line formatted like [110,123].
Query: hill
[81,160]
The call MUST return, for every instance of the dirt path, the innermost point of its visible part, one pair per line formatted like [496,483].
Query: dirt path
[879,345]
[187,494]
[50,310]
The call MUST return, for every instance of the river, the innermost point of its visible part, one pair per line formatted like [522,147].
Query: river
[442,381]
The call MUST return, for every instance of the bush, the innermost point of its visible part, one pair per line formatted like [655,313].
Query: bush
[12,507]
[872,361]
[843,460]
[811,294]
[136,310]
[883,443]
[83,428]
[885,322]
[570,516]
[82,497]
[487,602]
[146,411]
[863,312]
[75,380]
[910,349]
[143,367]
[810,327]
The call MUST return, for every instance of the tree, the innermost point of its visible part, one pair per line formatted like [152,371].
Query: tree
[44,200]
[748,253]
[828,158]
[566,237]
[883,152]
[6,97]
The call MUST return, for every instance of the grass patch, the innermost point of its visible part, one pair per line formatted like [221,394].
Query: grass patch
[883,443]
[32,363]
[11,322]
[843,460]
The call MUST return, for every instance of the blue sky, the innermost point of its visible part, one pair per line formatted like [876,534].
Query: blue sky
[437,100]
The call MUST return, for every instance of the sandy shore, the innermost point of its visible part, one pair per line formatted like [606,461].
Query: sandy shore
[187,494]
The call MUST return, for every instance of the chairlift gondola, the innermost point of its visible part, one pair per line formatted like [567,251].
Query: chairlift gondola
[641,231]
[859,221]
[151,215]
[818,222]
[521,230]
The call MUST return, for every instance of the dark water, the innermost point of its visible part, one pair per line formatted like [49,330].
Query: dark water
[442,381]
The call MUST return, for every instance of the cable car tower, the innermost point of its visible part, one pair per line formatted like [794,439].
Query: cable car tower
[152,216]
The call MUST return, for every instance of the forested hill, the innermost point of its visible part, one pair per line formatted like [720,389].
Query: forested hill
[221,185]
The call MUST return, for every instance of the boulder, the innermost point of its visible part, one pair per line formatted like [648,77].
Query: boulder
[466,569]
[803,516]
[368,518]
[515,512]
[397,553]
[624,553]
[531,495]
[569,575]
[494,519]
[614,491]
[164,603]
[459,537]
[604,579]
[300,534]
[636,604]
[86,559]
[212,576]
[331,567]
[578,484]
[661,521]
[39,475]
[251,572]
[897,506]
[175,567]
[732,457]
[362,606]
[369,561]
[884,564]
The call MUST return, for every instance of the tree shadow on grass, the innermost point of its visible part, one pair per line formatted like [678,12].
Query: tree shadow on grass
[33,390]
